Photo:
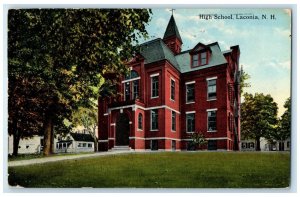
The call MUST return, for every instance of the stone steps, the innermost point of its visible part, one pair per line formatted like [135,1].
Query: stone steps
[121,148]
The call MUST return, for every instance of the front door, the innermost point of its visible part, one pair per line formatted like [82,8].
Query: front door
[122,130]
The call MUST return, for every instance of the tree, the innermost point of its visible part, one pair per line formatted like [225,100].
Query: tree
[258,116]
[282,130]
[87,117]
[243,78]
[64,54]
[198,139]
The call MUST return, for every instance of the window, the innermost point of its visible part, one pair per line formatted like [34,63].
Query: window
[79,145]
[154,86]
[173,144]
[195,60]
[211,89]
[190,122]
[172,89]
[83,144]
[89,145]
[173,121]
[211,120]
[154,119]
[140,121]
[288,144]
[154,144]
[203,58]
[135,85]
[127,91]
[212,145]
[131,86]
[190,92]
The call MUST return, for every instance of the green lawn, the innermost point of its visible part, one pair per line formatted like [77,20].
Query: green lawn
[161,170]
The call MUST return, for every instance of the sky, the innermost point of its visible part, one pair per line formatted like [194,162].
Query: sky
[265,44]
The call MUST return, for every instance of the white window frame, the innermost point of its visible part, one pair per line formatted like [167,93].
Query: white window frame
[186,120]
[171,89]
[172,121]
[188,83]
[151,76]
[151,129]
[139,122]
[209,79]
[210,110]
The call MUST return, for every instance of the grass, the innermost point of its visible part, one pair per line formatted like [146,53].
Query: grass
[160,170]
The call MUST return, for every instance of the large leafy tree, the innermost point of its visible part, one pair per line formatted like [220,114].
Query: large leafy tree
[258,116]
[57,58]
[282,131]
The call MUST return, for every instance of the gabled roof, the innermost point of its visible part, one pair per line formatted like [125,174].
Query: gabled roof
[82,137]
[172,29]
[156,50]
[216,58]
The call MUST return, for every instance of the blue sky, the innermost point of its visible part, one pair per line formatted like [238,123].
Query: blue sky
[265,44]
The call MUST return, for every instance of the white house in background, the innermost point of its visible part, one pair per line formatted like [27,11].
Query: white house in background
[31,145]
[74,143]
[265,145]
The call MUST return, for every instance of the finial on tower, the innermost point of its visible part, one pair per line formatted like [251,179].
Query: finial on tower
[172,10]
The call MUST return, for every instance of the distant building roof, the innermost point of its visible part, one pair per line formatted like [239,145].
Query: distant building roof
[172,29]
[82,137]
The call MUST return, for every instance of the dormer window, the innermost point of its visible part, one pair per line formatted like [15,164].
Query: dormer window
[199,59]
[200,55]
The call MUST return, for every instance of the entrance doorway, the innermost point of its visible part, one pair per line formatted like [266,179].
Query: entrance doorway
[122,130]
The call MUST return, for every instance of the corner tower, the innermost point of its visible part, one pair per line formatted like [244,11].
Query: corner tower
[172,37]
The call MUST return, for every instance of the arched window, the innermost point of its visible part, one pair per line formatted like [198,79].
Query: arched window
[133,74]
[140,122]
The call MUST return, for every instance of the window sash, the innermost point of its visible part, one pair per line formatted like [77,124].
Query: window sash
[211,121]
[190,122]
[190,93]
[154,119]
[140,121]
[195,59]
[127,91]
[173,121]
[211,89]
[135,88]
[203,58]
[154,84]
[172,89]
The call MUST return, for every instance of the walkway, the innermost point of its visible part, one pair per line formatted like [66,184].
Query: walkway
[61,158]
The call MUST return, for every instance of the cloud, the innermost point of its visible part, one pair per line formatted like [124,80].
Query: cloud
[286,65]
[282,32]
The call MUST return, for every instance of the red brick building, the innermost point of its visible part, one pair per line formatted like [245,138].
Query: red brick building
[171,94]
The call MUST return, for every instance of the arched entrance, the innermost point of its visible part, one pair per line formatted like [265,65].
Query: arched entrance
[122,130]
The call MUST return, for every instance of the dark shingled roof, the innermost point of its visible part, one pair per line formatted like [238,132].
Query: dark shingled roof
[82,137]
[172,29]
[156,50]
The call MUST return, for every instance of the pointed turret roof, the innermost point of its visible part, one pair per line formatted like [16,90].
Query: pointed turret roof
[172,29]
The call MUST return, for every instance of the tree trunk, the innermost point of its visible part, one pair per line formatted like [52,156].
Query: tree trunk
[16,140]
[258,144]
[48,134]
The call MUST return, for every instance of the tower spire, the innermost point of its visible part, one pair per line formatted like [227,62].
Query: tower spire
[172,37]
